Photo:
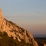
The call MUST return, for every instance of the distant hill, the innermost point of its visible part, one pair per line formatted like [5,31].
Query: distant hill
[40,40]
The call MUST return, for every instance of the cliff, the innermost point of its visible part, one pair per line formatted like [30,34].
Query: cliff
[12,29]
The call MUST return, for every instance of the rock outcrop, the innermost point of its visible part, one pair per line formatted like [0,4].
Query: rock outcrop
[15,31]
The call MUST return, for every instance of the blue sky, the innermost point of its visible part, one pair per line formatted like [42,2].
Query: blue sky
[29,14]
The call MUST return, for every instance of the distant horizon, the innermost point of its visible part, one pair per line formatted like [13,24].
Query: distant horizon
[40,36]
[28,14]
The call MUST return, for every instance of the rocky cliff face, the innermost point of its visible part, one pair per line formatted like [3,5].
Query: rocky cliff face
[15,31]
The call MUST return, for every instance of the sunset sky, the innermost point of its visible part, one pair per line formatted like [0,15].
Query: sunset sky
[28,14]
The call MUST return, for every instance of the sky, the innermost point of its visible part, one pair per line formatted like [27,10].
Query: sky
[28,14]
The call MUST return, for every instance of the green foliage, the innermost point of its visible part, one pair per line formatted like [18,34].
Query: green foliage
[9,41]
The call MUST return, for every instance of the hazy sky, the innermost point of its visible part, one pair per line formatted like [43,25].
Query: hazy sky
[29,14]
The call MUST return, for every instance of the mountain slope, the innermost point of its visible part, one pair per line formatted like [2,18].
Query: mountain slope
[5,40]
[15,31]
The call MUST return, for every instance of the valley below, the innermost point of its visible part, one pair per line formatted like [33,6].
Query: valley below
[41,41]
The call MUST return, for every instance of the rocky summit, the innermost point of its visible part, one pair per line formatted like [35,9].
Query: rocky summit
[12,29]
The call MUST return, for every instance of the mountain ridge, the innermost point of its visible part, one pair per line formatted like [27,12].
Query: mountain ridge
[12,29]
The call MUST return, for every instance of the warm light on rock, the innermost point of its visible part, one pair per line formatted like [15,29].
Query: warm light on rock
[15,31]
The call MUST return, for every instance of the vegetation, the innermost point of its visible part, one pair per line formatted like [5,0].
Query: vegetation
[41,41]
[5,40]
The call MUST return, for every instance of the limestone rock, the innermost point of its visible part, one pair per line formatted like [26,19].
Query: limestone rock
[15,31]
